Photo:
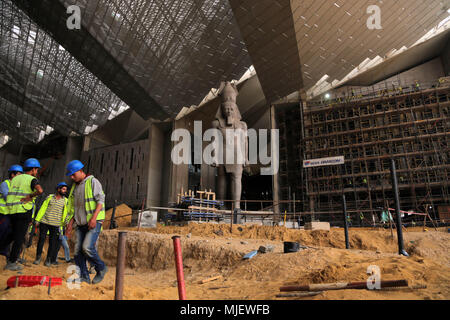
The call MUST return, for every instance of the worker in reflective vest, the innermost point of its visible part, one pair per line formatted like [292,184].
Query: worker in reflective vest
[13,171]
[5,230]
[87,210]
[417,86]
[50,218]
[20,202]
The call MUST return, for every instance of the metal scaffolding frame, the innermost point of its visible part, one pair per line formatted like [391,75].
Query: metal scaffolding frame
[411,127]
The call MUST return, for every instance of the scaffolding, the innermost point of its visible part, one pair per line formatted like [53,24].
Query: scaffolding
[412,127]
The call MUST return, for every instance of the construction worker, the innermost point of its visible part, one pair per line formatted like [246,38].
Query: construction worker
[86,209]
[416,86]
[20,202]
[349,221]
[50,218]
[63,238]
[364,182]
[5,230]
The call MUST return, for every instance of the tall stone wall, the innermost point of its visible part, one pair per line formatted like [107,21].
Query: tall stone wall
[123,171]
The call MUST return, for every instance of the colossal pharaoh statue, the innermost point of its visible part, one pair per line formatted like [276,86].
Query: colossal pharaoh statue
[234,133]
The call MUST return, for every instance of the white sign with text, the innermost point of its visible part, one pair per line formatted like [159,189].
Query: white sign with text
[323,162]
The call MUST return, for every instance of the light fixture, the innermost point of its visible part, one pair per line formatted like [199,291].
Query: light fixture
[327,96]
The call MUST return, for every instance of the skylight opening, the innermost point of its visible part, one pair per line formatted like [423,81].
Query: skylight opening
[16,32]
[32,37]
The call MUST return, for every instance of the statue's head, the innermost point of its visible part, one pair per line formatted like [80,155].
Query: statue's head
[228,111]
[228,108]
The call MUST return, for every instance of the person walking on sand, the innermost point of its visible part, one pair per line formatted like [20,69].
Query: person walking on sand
[87,210]
[5,229]
[20,203]
[51,218]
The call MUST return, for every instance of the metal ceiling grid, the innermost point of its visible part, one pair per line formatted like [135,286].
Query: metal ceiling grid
[43,81]
[268,29]
[17,123]
[334,39]
[176,50]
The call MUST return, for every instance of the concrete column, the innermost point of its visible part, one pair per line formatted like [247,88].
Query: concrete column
[86,143]
[179,173]
[275,184]
[166,172]
[208,174]
[74,150]
[155,166]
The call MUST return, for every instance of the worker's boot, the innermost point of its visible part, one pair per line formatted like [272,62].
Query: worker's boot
[100,275]
[85,279]
[91,270]
[13,266]
[38,260]
[47,263]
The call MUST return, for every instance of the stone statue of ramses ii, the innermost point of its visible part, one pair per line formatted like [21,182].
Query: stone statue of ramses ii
[235,146]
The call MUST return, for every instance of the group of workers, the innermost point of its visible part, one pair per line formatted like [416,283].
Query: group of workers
[82,209]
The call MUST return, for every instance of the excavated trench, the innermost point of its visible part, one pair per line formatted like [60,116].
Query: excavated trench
[155,252]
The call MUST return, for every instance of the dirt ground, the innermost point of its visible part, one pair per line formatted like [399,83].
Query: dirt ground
[211,250]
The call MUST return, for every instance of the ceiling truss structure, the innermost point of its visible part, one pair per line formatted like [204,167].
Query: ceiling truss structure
[43,87]
[159,56]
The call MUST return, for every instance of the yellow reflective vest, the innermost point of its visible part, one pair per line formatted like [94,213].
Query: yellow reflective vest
[89,201]
[44,207]
[19,189]
[2,200]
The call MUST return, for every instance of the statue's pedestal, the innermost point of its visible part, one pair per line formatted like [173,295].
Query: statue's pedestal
[315,225]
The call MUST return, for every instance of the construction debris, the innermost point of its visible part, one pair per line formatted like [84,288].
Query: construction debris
[250,255]
[266,248]
[210,279]
[344,285]
[298,294]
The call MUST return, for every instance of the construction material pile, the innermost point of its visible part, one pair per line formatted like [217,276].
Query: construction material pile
[122,216]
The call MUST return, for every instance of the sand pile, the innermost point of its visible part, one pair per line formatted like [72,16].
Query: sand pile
[122,216]
[151,272]
[364,239]
[155,252]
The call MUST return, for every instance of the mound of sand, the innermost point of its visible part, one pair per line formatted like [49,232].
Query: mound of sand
[150,272]
[155,252]
[363,239]
[122,216]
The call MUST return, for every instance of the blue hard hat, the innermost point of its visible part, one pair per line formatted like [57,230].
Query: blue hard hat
[73,167]
[32,163]
[61,184]
[15,168]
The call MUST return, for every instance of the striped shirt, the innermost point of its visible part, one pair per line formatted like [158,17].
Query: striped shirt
[54,212]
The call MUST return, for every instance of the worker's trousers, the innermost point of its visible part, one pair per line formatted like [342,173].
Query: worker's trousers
[63,242]
[19,226]
[5,231]
[52,241]
[85,249]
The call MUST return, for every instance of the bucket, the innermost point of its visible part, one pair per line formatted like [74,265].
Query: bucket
[291,247]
